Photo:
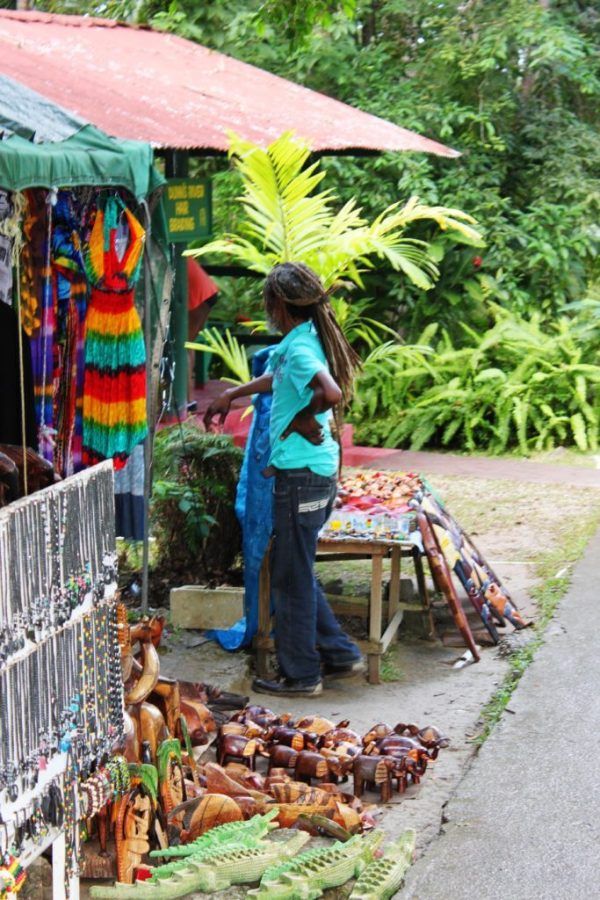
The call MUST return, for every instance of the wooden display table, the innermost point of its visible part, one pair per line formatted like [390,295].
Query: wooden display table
[349,548]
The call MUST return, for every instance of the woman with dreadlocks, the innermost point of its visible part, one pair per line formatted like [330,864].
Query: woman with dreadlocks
[310,374]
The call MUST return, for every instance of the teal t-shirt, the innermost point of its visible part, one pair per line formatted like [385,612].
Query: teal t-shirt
[294,363]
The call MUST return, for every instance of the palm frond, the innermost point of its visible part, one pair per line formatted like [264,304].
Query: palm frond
[288,218]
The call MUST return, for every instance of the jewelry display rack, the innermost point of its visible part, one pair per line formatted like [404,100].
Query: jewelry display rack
[61,695]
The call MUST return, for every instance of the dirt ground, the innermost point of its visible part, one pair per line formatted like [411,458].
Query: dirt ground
[516,526]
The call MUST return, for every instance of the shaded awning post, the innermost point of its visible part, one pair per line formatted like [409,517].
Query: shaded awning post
[149,440]
[177,166]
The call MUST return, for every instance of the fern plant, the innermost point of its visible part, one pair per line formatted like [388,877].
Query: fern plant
[228,349]
[521,383]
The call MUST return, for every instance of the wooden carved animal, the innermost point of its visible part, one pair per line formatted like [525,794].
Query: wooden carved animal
[397,745]
[376,733]
[150,725]
[340,736]
[311,765]
[148,629]
[277,776]
[375,772]
[340,759]
[166,696]
[211,810]
[261,716]
[145,678]
[238,747]
[219,782]
[442,576]
[318,725]
[248,729]
[429,737]
[292,737]
[282,757]
[244,776]
[299,792]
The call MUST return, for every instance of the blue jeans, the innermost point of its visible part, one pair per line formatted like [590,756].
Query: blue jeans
[306,631]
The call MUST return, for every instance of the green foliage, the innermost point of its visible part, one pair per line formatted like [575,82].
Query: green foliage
[193,516]
[515,86]
[228,349]
[519,383]
[287,219]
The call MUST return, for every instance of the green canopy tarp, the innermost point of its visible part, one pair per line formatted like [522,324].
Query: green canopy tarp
[42,145]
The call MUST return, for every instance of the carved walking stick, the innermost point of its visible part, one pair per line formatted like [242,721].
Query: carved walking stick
[443,578]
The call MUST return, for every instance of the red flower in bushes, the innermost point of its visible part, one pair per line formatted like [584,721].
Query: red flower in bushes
[477,261]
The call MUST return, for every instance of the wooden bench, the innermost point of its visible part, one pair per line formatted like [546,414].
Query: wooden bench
[342,549]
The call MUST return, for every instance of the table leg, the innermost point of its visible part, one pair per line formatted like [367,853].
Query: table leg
[394,595]
[375,615]
[423,592]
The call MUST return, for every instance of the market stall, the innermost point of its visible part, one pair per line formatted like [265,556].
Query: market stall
[393,515]
[75,229]
[81,268]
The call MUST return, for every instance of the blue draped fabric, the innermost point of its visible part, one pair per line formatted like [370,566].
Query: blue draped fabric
[254,509]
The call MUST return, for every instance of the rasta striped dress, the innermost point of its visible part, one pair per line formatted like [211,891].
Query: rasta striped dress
[114,393]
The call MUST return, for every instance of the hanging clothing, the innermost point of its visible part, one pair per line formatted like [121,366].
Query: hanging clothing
[10,379]
[254,509]
[129,497]
[71,294]
[114,393]
[38,314]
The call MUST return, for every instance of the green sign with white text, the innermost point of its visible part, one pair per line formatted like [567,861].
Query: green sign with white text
[188,207]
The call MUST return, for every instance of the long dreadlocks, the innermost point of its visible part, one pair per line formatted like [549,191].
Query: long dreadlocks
[301,290]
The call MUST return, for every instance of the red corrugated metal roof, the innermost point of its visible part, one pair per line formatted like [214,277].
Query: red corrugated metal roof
[151,86]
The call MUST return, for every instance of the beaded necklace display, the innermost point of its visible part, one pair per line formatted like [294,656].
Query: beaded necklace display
[61,695]
[56,563]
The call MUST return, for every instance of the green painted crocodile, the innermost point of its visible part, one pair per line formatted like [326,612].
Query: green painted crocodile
[243,842]
[383,877]
[214,872]
[308,875]
[257,826]
[275,872]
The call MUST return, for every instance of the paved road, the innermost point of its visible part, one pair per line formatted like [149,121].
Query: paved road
[525,821]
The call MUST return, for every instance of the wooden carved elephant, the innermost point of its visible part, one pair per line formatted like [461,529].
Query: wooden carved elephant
[375,772]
